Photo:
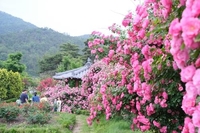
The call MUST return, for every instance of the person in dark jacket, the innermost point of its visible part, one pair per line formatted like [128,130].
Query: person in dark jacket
[24,97]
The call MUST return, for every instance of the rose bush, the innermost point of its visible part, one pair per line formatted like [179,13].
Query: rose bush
[72,98]
[150,68]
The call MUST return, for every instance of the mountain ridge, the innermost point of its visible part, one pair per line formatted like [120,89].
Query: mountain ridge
[33,42]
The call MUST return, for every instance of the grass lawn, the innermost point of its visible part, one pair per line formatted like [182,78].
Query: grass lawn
[104,126]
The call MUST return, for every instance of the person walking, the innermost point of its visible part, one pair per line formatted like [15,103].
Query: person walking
[35,98]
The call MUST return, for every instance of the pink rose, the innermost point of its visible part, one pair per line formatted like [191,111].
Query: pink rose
[195,8]
[165,95]
[182,2]
[191,90]
[196,118]
[157,124]
[176,43]
[196,78]
[187,73]
[190,26]
[163,129]
[188,104]
[175,27]
[197,62]
[111,53]
[181,57]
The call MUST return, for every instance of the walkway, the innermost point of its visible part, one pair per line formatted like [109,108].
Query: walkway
[78,125]
[81,125]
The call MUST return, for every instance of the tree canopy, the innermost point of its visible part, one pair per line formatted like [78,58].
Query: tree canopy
[13,63]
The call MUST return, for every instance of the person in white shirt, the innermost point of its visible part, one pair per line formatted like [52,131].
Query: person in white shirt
[18,101]
[59,104]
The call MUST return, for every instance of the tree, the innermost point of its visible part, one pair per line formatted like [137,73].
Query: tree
[10,84]
[50,63]
[87,54]
[13,63]
[68,62]
[70,49]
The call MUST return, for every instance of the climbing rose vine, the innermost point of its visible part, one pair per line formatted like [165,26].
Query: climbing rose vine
[149,69]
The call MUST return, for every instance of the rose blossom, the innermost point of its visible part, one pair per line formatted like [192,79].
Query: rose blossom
[187,73]
[196,78]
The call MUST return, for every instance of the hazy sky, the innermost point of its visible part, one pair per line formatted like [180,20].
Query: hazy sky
[74,17]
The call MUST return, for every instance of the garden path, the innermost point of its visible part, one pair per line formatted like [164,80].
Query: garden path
[78,125]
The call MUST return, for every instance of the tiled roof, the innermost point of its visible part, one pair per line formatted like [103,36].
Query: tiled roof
[77,73]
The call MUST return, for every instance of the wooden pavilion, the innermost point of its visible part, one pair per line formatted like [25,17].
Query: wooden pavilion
[74,74]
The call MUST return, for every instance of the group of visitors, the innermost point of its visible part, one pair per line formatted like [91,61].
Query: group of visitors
[36,99]
[24,98]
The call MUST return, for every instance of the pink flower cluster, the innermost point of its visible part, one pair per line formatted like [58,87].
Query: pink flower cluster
[141,64]
[72,98]
[185,50]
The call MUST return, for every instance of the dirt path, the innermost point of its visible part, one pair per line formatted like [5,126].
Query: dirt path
[78,125]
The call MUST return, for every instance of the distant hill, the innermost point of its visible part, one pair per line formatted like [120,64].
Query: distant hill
[32,41]
[9,24]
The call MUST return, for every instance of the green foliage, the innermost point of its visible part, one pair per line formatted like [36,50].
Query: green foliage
[14,87]
[38,117]
[11,100]
[49,63]
[114,125]
[43,106]
[11,24]
[70,49]
[31,108]
[59,122]
[30,130]
[29,81]
[3,82]
[80,111]
[68,63]
[34,44]
[13,63]
[10,84]
[9,112]
[67,121]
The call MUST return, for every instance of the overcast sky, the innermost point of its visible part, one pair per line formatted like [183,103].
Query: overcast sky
[74,17]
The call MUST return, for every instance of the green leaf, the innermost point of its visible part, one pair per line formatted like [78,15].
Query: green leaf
[197,39]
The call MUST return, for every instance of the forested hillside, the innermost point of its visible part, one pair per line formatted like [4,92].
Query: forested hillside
[31,41]
[9,24]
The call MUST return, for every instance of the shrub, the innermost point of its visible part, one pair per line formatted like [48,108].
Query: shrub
[38,117]
[11,100]
[67,121]
[10,84]
[45,83]
[9,112]
[26,108]
[72,98]
[44,106]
